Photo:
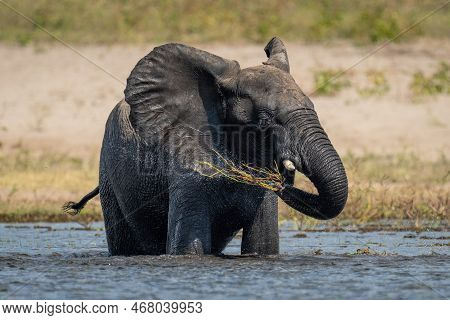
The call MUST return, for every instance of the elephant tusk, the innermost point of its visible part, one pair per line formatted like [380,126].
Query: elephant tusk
[288,165]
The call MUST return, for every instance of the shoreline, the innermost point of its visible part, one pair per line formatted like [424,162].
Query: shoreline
[85,221]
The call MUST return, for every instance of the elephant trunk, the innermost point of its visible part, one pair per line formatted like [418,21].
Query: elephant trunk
[316,157]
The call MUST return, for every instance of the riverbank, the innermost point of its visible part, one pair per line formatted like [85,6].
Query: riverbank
[403,187]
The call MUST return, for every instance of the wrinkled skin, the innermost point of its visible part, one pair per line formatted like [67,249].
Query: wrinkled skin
[183,106]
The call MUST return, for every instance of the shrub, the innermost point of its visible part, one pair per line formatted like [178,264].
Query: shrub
[437,83]
[378,84]
[330,82]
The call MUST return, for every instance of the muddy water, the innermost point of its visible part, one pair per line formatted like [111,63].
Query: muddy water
[62,261]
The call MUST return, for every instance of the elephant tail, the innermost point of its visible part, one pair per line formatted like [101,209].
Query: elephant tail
[73,208]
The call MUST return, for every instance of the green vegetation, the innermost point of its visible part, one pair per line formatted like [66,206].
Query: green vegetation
[35,185]
[330,82]
[437,83]
[378,84]
[143,21]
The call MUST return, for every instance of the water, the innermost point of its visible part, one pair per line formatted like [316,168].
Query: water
[62,261]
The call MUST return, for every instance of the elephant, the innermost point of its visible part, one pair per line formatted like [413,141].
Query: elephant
[182,105]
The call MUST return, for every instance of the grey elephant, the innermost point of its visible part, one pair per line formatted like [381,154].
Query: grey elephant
[184,107]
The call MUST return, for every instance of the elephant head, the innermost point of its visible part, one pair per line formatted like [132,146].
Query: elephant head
[176,84]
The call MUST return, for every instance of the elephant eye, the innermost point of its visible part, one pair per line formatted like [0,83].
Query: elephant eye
[263,123]
[265,120]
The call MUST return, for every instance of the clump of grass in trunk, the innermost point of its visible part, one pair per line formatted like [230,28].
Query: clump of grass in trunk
[243,173]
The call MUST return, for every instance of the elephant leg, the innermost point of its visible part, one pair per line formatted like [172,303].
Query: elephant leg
[260,236]
[189,226]
[118,233]
[149,225]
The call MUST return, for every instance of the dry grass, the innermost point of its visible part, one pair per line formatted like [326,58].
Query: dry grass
[33,187]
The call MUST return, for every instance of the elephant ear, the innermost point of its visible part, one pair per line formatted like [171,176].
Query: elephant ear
[176,85]
[277,54]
